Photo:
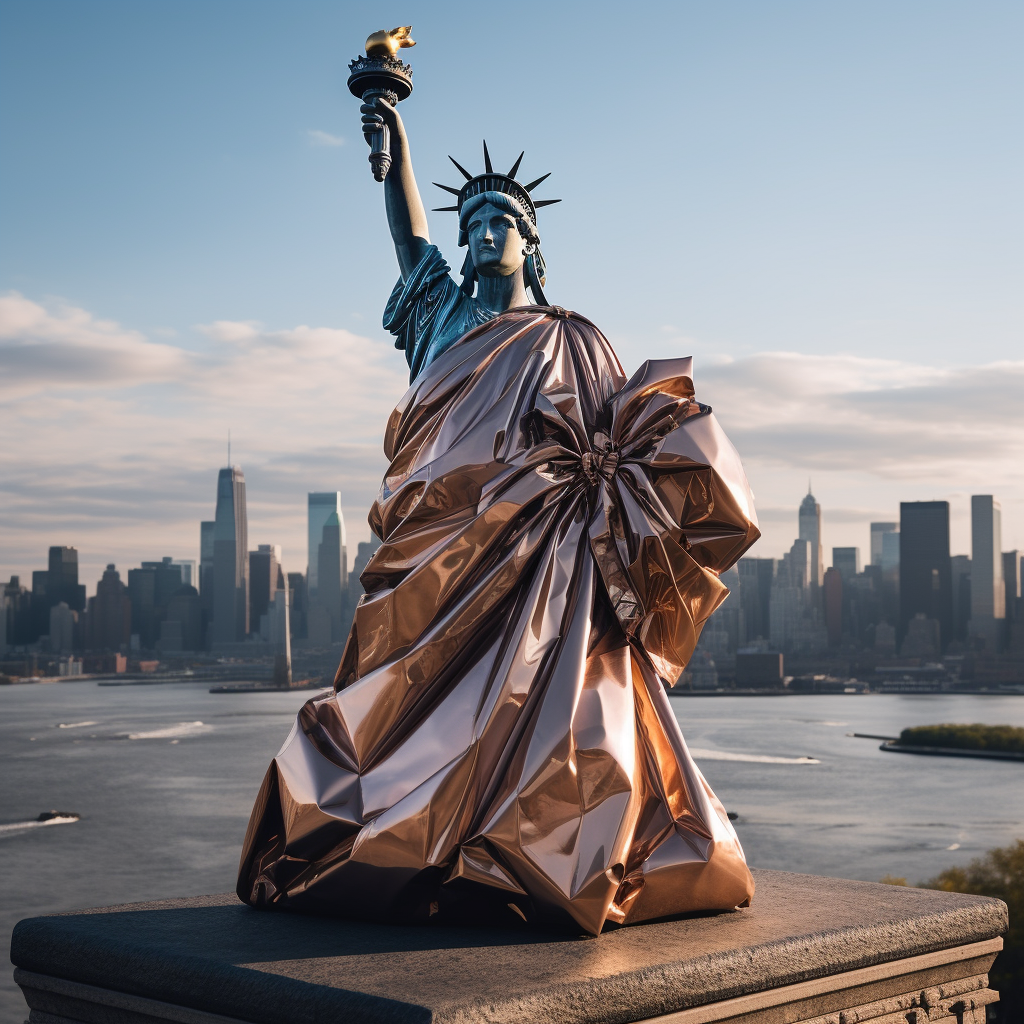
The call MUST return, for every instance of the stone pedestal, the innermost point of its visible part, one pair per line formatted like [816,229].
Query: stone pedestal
[810,949]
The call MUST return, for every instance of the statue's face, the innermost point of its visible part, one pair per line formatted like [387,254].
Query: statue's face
[494,242]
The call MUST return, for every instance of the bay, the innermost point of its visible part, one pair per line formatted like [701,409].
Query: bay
[164,777]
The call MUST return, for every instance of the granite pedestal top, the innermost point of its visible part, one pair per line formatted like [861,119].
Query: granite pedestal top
[211,955]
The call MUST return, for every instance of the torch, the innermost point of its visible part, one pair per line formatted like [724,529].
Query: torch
[381,74]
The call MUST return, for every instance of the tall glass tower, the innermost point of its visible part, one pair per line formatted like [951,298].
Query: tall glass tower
[810,531]
[321,506]
[926,583]
[988,591]
[230,559]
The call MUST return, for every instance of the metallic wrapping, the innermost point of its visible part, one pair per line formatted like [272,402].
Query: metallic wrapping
[499,744]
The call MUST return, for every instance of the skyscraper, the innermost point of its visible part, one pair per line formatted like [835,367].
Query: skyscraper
[230,559]
[331,575]
[988,592]
[810,531]
[320,506]
[878,532]
[925,578]
[206,529]
[847,562]
[1012,581]
[110,613]
[266,578]
[62,579]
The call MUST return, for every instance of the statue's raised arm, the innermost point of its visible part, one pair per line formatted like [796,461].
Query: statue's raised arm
[428,311]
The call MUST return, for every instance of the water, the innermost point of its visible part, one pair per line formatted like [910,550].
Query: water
[164,778]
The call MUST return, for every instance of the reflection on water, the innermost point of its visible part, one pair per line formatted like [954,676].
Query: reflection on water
[165,816]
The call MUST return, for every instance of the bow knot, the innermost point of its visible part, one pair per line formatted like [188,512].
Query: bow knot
[602,460]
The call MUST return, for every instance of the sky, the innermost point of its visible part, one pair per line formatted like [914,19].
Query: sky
[821,202]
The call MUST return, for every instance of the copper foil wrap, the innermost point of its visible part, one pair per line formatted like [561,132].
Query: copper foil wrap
[499,744]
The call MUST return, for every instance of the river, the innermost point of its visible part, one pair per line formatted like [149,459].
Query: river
[164,777]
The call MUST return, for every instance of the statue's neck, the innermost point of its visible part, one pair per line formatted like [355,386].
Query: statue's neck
[501,293]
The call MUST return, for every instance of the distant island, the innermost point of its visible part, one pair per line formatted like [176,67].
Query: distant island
[997,741]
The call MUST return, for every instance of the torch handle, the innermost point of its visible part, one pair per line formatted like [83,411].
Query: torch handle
[380,140]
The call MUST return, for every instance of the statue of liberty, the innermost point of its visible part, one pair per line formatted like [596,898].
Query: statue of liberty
[499,745]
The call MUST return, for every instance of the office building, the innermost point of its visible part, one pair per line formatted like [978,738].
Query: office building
[878,532]
[756,578]
[110,613]
[988,592]
[330,597]
[62,579]
[960,577]
[320,507]
[1012,583]
[832,593]
[230,560]
[188,572]
[847,562]
[62,628]
[266,578]
[182,626]
[810,531]
[925,571]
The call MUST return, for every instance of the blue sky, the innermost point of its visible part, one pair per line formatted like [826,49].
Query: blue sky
[821,202]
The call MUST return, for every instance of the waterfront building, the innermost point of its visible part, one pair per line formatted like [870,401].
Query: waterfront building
[62,628]
[206,548]
[794,614]
[62,579]
[298,605]
[988,592]
[925,572]
[847,562]
[320,506]
[756,576]
[266,577]
[1012,583]
[878,533]
[182,626]
[832,592]
[230,559]
[810,530]
[16,606]
[188,572]
[331,576]
[110,613]
[960,583]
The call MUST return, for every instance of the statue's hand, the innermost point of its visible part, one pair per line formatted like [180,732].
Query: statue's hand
[376,113]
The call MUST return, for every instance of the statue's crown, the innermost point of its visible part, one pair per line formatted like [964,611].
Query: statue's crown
[492,181]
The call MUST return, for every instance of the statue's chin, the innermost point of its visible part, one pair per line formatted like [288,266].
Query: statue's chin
[494,270]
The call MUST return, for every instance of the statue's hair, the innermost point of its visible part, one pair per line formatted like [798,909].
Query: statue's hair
[534,267]
[511,205]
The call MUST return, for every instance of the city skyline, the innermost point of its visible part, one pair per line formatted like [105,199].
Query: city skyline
[839,247]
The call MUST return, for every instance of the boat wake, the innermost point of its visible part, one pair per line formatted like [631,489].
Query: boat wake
[74,725]
[42,821]
[725,755]
[171,732]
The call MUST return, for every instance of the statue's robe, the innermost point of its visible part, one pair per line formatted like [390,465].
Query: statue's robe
[500,741]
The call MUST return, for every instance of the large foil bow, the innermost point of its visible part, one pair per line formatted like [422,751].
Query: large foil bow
[499,740]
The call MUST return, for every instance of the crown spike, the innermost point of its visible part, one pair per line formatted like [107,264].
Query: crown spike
[465,173]
[445,209]
[487,160]
[515,166]
[448,188]
[534,184]
[545,202]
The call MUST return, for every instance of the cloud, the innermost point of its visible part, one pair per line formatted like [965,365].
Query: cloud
[871,433]
[319,138]
[112,440]
[63,347]
[119,457]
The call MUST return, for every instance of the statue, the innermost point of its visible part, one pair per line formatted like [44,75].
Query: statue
[499,745]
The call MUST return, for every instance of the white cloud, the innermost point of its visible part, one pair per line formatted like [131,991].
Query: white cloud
[319,138]
[112,440]
[119,457]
